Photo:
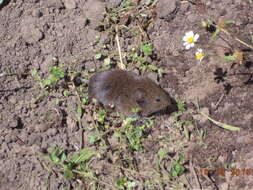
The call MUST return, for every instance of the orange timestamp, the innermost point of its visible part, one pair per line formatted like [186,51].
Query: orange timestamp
[234,172]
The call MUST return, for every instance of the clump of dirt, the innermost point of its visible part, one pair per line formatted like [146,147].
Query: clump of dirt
[79,38]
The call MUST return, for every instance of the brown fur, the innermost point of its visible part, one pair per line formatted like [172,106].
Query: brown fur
[126,90]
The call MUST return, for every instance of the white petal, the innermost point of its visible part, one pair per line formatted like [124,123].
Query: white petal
[185,43]
[196,37]
[199,51]
[189,34]
[192,44]
[188,46]
[185,38]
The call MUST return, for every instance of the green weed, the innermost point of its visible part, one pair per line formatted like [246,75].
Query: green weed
[177,167]
[85,99]
[97,38]
[98,56]
[222,125]
[178,122]
[102,116]
[77,164]
[66,93]
[134,134]
[147,49]
[55,74]
[140,57]
[124,183]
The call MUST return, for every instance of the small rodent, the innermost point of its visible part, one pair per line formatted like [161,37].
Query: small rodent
[126,90]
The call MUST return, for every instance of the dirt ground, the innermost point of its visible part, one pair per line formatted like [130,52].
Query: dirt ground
[39,34]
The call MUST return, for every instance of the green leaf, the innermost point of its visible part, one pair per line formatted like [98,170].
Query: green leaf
[131,184]
[57,72]
[230,22]
[85,100]
[66,93]
[181,106]
[68,174]
[147,49]
[46,82]
[152,67]
[98,56]
[177,169]
[141,59]
[107,61]
[97,38]
[54,159]
[84,156]
[63,157]
[136,109]
[130,120]
[55,155]
[102,114]
[121,182]
[162,154]
[216,32]
[79,111]
[160,70]
[34,72]
[92,139]
[230,57]
[222,125]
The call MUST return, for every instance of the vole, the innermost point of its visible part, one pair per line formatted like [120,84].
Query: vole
[127,91]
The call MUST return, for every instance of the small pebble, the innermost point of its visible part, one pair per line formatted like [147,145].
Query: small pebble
[37,13]
[69,4]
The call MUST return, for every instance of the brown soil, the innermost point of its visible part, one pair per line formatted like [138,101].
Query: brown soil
[37,34]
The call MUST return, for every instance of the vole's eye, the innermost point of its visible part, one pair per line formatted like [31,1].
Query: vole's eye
[157,100]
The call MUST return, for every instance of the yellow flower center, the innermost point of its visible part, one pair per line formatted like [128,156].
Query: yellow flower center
[190,40]
[199,56]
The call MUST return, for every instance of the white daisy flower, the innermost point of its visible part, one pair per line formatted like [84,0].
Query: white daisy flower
[189,39]
[199,55]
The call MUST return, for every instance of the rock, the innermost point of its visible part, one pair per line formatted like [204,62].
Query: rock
[165,8]
[14,122]
[114,3]
[32,35]
[94,11]
[35,139]
[44,66]
[40,128]
[37,13]
[12,99]
[69,4]
[30,32]
[23,136]
[52,132]
[53,4]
